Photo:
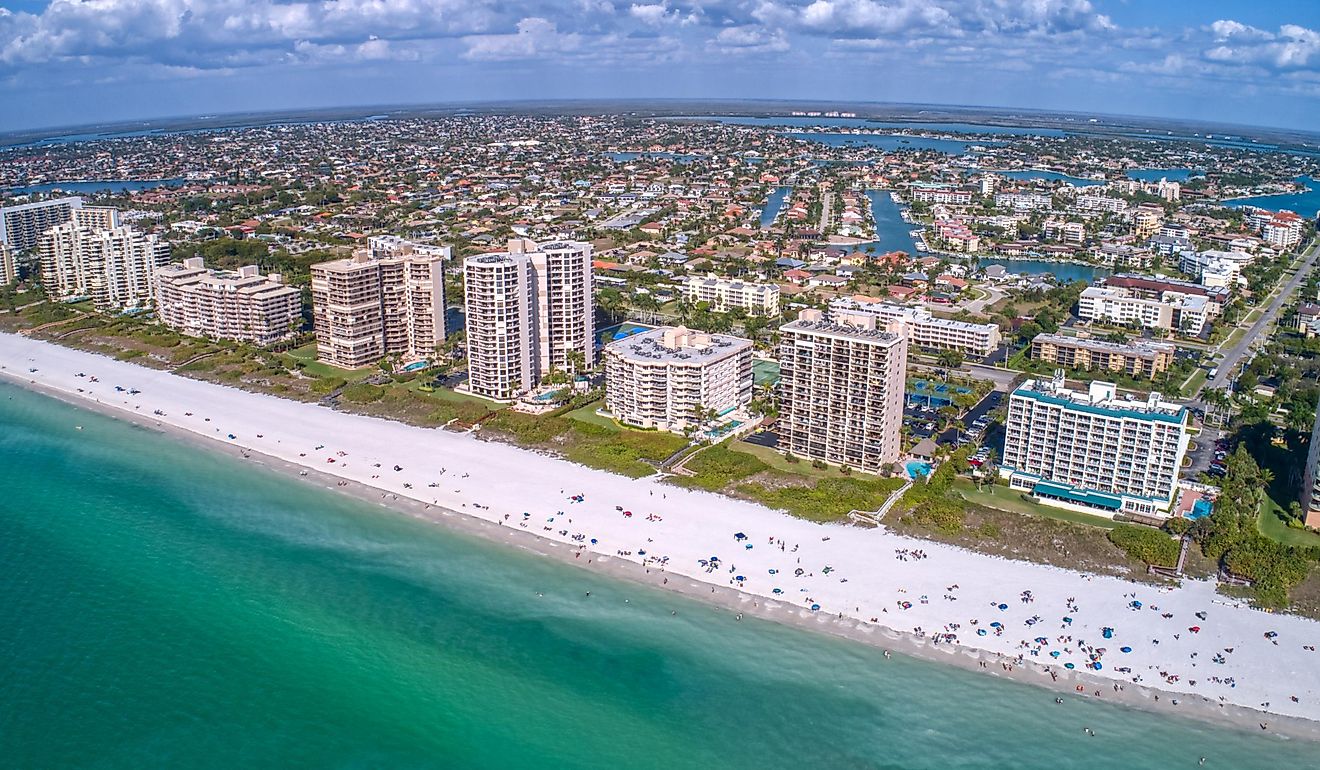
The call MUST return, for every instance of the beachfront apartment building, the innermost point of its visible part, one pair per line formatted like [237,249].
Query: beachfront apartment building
[1093,451]
[92,256]
[22,225]
[1140,358]
[1172,311]
[1310,493]
[841,389]
[724,294]
[529,311]
[240,305]
[382,301]
[674,378]
[8,265]
[924,329]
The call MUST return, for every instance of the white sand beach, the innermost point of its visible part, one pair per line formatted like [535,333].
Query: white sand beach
[1196,650]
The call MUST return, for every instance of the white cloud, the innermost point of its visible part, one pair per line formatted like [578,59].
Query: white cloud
[204,32]
[749,38]
[1293,47]
[535,37]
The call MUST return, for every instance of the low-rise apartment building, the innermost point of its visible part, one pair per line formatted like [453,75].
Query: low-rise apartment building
[924,329]
[841,389]
[1094,451]
[724,294]
[240,305]
[673,378]
[1140,358]
[1173,309]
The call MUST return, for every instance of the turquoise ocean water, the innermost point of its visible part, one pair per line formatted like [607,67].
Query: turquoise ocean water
[165,606]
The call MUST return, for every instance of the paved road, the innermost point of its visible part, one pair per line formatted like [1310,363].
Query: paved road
[1256,334]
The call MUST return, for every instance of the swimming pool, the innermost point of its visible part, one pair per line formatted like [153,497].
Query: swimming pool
[1200,509]
[619,331]
[414,366]
[917,468]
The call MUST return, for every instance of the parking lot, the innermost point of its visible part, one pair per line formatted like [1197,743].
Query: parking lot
[1207,455]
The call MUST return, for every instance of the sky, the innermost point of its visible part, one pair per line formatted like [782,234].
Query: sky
[72,62]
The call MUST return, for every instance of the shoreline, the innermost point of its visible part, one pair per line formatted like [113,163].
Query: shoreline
[1194,706]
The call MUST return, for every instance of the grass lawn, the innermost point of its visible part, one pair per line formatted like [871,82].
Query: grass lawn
[1194,382]
[776,460]
[449,394]
[588,414]
[306,355]
[1271,525]
[1005,499]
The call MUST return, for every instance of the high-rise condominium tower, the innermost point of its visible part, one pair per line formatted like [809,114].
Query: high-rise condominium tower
[388,299]
[841,389]
[529,312]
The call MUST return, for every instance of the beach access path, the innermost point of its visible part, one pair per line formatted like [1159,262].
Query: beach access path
[869,584]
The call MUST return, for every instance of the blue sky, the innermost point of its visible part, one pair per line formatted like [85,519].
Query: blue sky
[68,62]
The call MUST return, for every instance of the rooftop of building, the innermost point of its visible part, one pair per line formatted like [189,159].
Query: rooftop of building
[677,344]
[1102,398]
[862,328]
[1138,346]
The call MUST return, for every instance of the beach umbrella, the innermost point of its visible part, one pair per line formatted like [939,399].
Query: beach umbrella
[996,624]
[1125,649]
[815,607]
[1067,620]
[980,632]
[739,536]
[1069,666]
[1054,653]
[1097,665]
[778,591]
[593,541]
[1195,629]
[739,577]
[1003,606]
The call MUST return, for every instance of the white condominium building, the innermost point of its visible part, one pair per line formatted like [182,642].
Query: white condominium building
[113,266]
[924,329]
[724,294]
[1101,203]
[529,311]
[221,304]
[1172,311]
[380,302]
[841,389]
[673,378]
[1094,451]
[21,226]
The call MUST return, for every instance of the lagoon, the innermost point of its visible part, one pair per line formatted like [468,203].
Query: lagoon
[99,185]
[1306,203]
[773,205]
[889,142]
[1064,271]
